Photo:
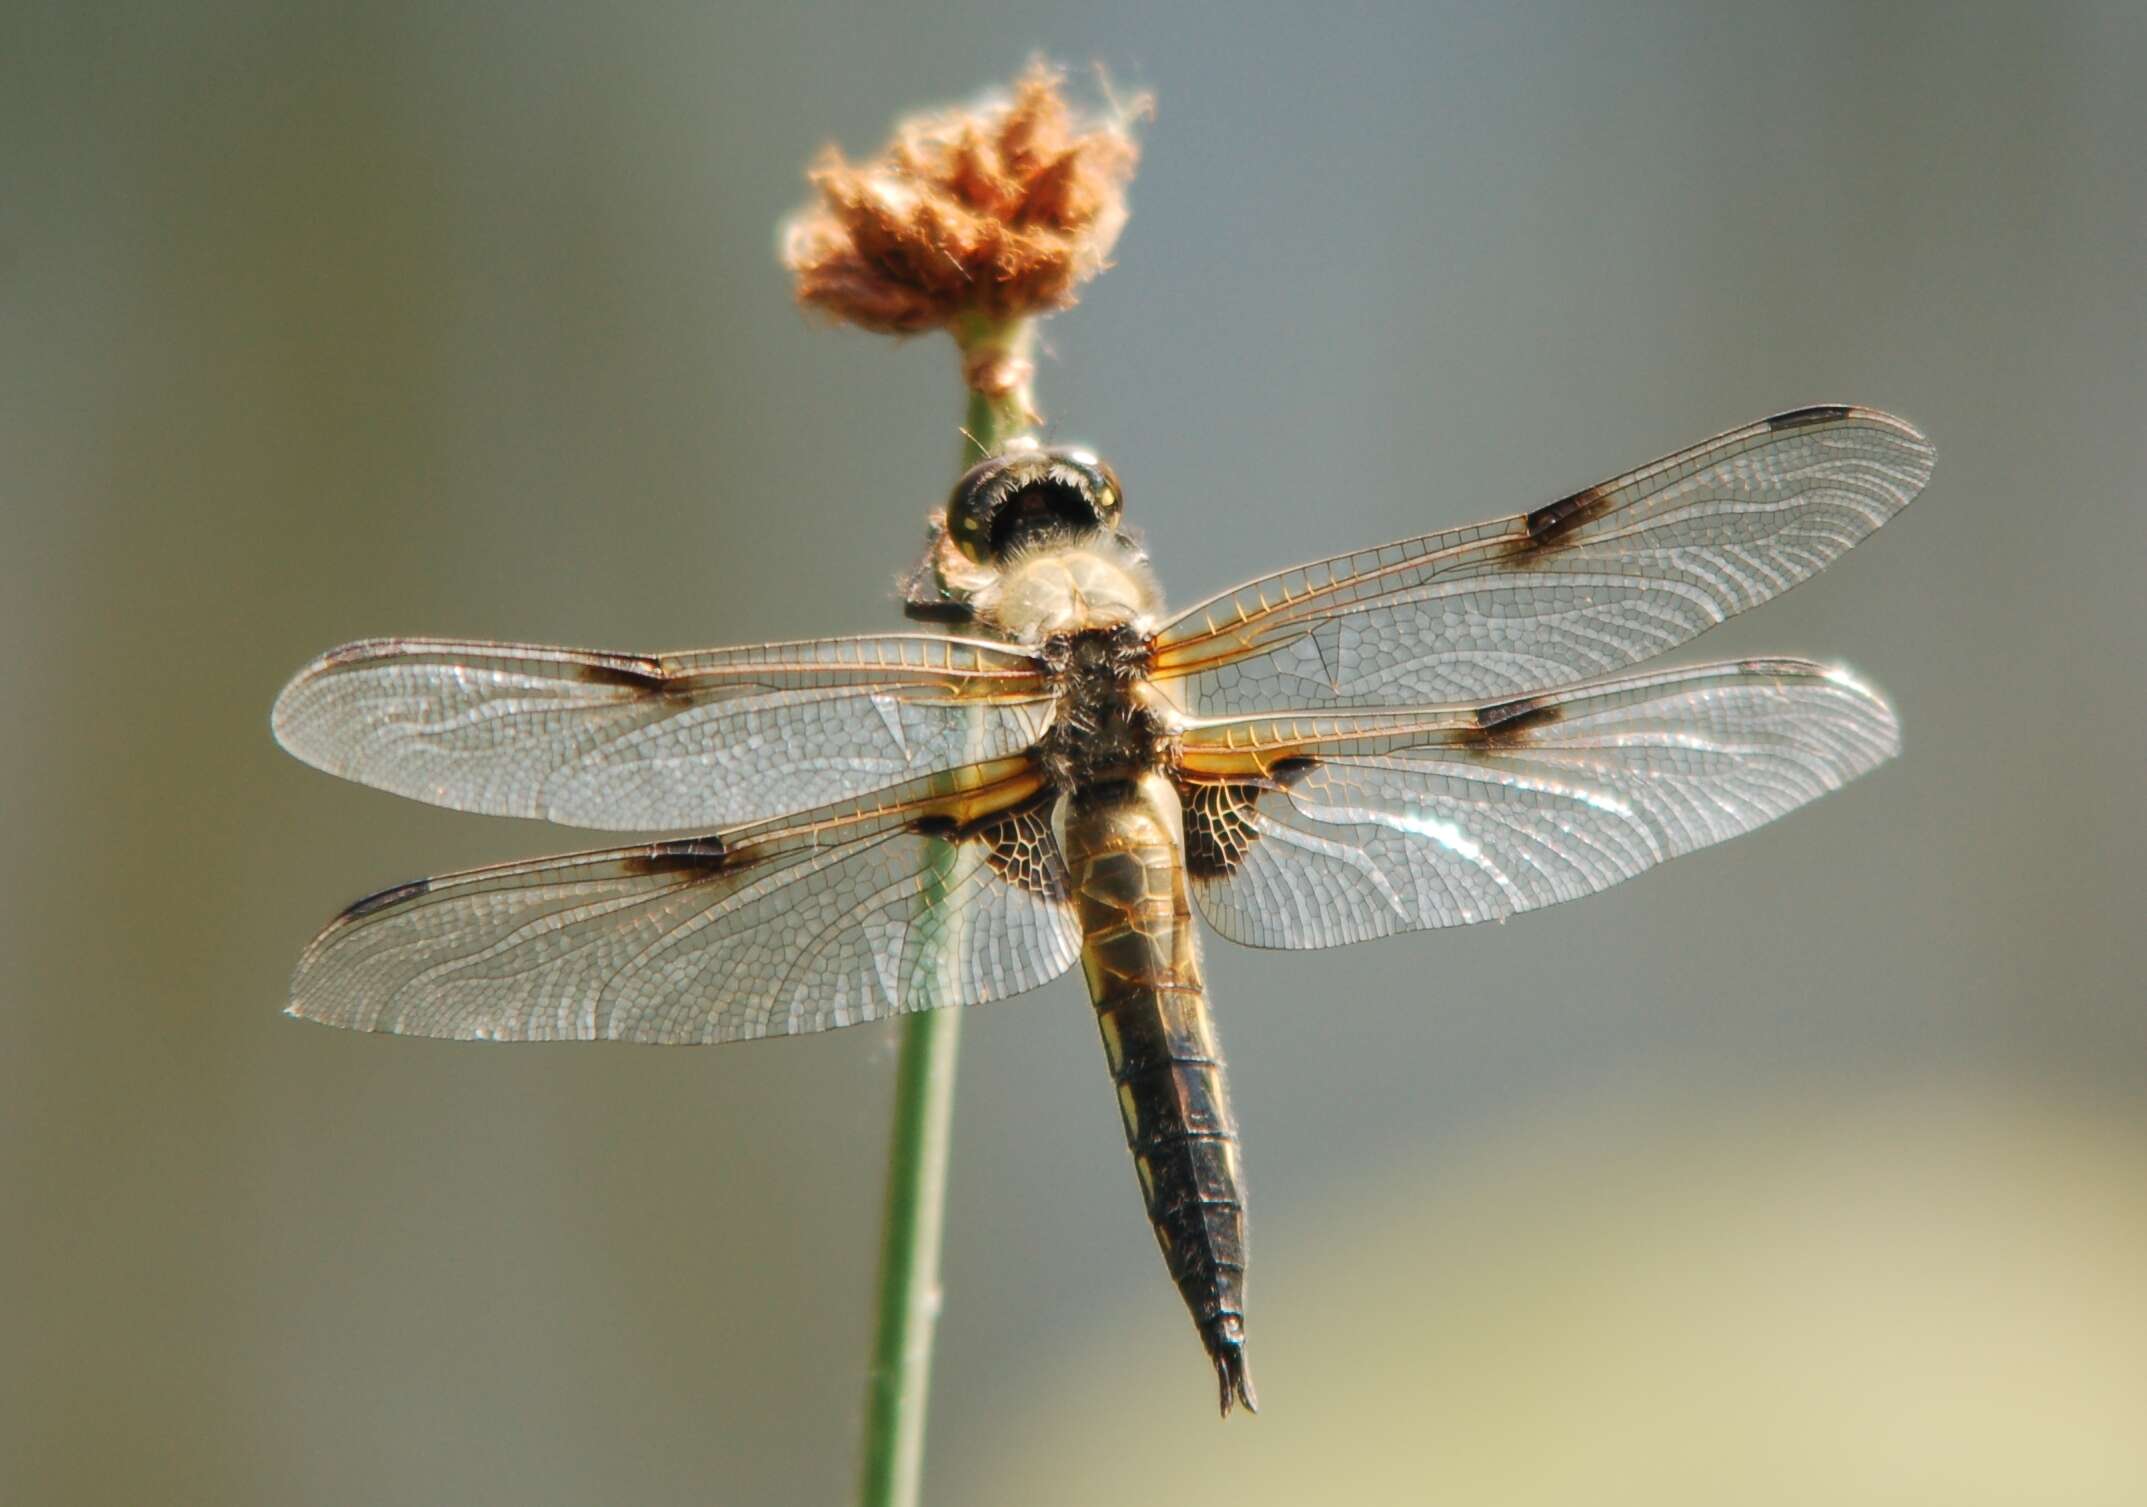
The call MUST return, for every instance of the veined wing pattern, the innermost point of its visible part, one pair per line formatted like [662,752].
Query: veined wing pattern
[1315,831]
[658,743]
[1614,574]
[940,890]
[1401,738]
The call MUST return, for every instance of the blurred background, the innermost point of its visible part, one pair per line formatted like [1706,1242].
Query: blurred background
[1811,1168]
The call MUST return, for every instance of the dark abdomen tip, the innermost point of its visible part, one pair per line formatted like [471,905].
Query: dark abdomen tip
[1232,1378]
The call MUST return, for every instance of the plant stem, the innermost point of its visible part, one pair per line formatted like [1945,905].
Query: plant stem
[909,1259]
[996,367]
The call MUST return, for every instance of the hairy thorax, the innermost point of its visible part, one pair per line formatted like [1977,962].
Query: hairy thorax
[1088,603]
[1089,581]
[1111,725]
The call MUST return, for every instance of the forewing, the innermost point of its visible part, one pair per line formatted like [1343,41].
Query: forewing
[1585,586]
[657,742]
[946,892]
[1316,831]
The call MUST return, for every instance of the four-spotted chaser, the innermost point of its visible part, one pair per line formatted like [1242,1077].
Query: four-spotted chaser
[1442,730]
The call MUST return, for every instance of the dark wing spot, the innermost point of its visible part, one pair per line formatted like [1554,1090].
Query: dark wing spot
[1019,845]
[393,895]
[1818,413]
[363,651]
[1218,817]
[1554,523]
[700,857]
[1218,828]
[1508,723]
[633,674]
[1023,850]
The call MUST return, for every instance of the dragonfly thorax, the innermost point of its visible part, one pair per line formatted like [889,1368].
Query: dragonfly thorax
[1110,724]
[1092,581]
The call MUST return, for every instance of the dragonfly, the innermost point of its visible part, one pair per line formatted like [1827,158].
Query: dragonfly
[1449,729]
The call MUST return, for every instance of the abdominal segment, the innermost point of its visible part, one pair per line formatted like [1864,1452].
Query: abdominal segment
[1141,956]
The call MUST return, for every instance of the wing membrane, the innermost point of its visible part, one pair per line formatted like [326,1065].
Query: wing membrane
[1585,586]
[657,742]
[1317,831]
[934,895]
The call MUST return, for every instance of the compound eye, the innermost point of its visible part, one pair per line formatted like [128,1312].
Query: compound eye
[1013,502]
[971,505]
[1110,496]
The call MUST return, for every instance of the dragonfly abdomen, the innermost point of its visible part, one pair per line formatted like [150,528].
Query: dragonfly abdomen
[1125,857]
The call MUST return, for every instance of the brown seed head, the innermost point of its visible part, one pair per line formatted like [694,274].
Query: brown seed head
[994,211]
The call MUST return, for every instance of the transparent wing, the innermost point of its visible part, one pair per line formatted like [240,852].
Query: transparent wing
[1316,831]
[659,742]
[1585,586]
[849,914]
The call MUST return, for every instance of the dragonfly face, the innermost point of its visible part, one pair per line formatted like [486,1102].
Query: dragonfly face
[1442,730]
[1024,499]
[1027,504]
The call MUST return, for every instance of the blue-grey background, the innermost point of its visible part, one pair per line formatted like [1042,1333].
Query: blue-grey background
[1813,1168]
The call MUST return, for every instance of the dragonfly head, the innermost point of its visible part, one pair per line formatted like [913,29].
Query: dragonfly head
[1008,507]
[1020,499]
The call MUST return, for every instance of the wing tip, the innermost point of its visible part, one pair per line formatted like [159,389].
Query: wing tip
[1913,441]
[380,900]
[1887,732]
[287,717]
[286,721]
[1796,667]
[1884,732]
[301,1006]
[1809,414]
[297,1009]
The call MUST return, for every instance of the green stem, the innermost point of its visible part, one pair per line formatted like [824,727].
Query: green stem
[915,1219]
[998,365]
[909,1259]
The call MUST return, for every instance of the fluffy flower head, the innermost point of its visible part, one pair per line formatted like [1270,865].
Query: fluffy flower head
[995,211]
